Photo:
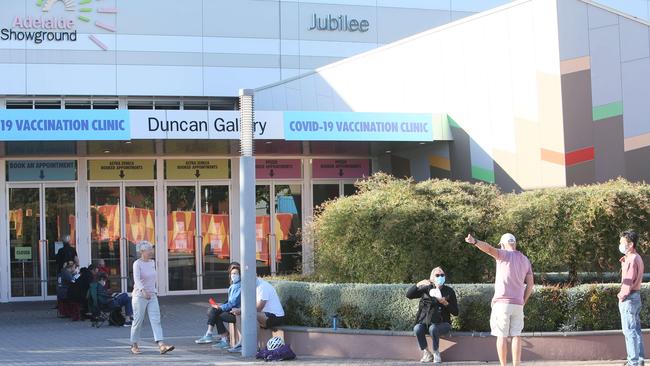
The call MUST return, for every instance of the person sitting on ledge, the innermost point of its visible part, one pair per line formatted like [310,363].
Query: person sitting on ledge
[437,303]
[270,313]
[220,313]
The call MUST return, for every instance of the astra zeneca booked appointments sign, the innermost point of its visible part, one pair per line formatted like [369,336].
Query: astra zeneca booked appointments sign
[340,168]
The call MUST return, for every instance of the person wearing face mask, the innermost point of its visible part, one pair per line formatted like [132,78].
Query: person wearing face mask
[220,313]
[513,285]
[629,297]
[109,301]
[437,304]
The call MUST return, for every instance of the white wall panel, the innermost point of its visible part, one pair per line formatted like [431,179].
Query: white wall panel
[478,44]
[228,80]
[634,40]
[600,18]
[636,97]
[476,6]
[499,78]
[636,8]
[252,46]
[522,53]
[164,80]
[546,36]
[605,65]
[416,4]
[74,79]
[573,29]
[148,43]
[334,49]
[12,79]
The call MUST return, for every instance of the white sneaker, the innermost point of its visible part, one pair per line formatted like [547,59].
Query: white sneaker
[426,356]
[436,357]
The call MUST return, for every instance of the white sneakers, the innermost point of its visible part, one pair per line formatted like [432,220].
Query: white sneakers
[436,357]
[428,356]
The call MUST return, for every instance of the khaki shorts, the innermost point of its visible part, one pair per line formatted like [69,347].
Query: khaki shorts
[506,320]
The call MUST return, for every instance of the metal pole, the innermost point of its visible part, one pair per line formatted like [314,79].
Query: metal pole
[247,225]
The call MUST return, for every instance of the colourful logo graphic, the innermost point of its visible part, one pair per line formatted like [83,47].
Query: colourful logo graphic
[85,13]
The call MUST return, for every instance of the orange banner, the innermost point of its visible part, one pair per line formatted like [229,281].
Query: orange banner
[216,235]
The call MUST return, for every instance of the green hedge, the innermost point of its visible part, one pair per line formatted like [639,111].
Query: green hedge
[384,306]
[395,230]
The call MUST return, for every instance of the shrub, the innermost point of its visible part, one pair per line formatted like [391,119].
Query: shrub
[576,228]
[396,230]
[381,306]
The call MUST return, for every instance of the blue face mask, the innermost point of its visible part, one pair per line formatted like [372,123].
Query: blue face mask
[234,278]
[440,280]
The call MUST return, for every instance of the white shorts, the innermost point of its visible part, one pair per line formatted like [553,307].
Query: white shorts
[506,320]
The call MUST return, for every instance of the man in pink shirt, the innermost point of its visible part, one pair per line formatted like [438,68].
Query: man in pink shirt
[629,297]
[513,286]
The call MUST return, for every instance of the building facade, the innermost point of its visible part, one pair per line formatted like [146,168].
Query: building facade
[119,120]
[119,123]
[537,94]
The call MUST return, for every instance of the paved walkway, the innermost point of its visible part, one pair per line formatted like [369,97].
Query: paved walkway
[32,335]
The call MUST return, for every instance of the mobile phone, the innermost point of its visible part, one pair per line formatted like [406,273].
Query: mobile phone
[212,302]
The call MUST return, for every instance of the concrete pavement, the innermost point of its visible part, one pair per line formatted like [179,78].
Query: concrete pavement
[32,335]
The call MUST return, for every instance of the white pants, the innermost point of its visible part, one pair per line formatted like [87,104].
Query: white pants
[140,307]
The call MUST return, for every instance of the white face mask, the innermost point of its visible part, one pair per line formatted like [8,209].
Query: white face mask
[622,248]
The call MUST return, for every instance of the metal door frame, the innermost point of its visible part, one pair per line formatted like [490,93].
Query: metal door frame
[121,185]
[42,240]
[198,239]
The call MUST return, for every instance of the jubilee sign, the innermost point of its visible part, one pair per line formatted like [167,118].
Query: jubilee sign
[122,125]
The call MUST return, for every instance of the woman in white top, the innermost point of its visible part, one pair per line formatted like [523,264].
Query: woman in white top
[145,299]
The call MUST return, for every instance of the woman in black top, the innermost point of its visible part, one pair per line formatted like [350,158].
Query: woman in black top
[437,304]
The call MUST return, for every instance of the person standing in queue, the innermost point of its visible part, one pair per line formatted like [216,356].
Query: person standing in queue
[145,299]
[629,297]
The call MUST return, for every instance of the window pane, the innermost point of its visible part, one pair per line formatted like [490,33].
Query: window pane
[135,147]
[215,236]
[181,234]
[105,232]
[288,224]
[323,193]
[24,235]
[140,223]
[41,148]
[262,228]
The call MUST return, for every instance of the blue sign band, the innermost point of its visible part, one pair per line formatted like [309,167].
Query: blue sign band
[64,125]
[356,126]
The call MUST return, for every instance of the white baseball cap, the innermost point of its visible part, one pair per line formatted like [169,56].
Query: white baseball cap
[508,238]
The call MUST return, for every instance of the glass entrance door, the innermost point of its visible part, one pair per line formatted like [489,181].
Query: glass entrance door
[198,236]
[40,217]
[278,228]
[121,215]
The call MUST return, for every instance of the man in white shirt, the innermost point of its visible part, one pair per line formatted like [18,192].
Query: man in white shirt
[269,308]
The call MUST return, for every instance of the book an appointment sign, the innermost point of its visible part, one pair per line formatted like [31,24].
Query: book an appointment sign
[122,125]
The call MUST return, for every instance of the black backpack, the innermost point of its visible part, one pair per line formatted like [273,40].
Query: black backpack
[116,318]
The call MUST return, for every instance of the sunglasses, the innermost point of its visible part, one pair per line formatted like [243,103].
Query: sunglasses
[439,275]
